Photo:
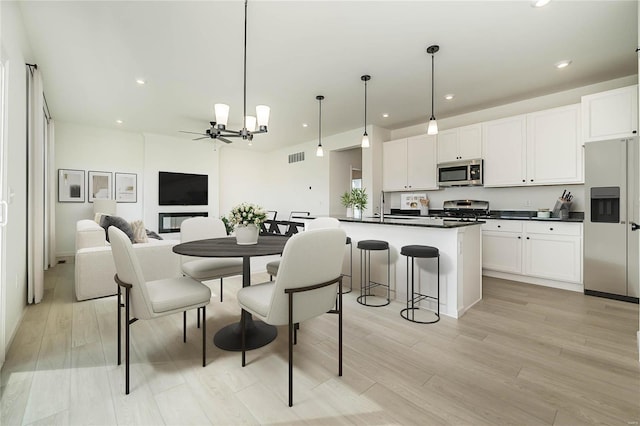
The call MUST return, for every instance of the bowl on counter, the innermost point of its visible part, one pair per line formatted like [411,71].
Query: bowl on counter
[544,213]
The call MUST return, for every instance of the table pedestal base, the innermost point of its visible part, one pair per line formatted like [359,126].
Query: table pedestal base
[257,335]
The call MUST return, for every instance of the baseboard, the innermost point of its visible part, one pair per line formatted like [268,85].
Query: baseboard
[534,280]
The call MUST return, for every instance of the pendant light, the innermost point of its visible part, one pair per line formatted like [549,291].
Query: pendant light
[433,124]
[365,136]
[319,150]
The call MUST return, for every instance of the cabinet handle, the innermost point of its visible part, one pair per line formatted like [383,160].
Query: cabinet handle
[499,226]
[519,237]
[634,132]
[527,238]
[531,180]
[550,229]
[523,180]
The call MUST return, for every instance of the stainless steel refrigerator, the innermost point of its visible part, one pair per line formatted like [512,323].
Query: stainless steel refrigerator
[611,242]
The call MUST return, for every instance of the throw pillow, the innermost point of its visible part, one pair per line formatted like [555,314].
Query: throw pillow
[119,223]
[139,233]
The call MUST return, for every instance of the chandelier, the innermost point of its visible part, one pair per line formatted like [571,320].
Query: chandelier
[218,129]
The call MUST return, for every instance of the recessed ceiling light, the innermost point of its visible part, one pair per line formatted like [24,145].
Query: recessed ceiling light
[539,3]
[118,121]
[563,64]
[305,125]
[449,96]
[385,115]
[141,82]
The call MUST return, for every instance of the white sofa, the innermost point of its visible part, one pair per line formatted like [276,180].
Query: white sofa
[94,267]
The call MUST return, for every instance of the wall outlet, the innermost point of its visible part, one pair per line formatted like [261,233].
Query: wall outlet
[527,203]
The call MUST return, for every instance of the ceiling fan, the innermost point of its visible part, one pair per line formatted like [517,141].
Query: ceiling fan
[212,133]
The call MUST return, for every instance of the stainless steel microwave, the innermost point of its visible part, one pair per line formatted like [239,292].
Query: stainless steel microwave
[460,173]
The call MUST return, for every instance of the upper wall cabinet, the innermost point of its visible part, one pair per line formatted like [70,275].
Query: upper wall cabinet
[461,143]
[541,148]
[610,115]
[409,164]
[554,148]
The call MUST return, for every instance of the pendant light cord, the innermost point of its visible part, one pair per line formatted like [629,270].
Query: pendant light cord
[365,106]
[320,123]
[244,107]
[432,94]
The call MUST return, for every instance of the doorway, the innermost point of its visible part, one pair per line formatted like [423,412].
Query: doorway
[3,204]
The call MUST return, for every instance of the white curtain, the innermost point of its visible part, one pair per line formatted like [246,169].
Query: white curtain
[41,188]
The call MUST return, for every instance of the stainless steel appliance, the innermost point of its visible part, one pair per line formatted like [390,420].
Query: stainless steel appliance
[611,247]
[465,209]
[460,173]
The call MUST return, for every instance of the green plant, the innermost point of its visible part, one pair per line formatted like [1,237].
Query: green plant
[247,214]
[346,199]
[227,225]
[359,198]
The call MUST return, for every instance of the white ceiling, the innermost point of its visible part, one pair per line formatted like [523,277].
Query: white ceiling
[190,54]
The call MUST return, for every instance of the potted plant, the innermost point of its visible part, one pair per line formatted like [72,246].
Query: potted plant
[246,219]
[359,199]
[347,201]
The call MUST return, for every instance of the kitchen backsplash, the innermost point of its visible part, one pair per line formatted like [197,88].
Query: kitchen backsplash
[512,198]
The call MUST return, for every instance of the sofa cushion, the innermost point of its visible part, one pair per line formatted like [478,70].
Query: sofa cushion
[119,223]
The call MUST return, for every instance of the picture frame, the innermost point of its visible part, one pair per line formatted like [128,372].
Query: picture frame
[100,186]
[70,186]
[126,188]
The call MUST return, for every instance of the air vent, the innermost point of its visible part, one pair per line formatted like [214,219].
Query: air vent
[298,156]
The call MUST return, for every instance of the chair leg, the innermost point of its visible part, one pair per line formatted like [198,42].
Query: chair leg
[270,277]
[198,310]
[184,326]
[296,327]
[119,325]
[340,330]
[291,332]
[204,335]
[127,334]
[244,336]
[220,289]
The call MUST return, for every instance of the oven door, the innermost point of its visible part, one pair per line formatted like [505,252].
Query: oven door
[453,174]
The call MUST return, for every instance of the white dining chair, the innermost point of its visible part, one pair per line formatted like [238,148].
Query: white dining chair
[317,223]
[305,287]
[146,300]
[205,269]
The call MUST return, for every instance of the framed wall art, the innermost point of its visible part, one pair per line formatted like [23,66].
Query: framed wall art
[100,186]
[70,186]
[126,188]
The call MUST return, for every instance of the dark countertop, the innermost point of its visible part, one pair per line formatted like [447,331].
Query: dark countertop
[424,221]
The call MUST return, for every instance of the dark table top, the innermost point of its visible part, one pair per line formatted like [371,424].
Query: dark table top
[227,247]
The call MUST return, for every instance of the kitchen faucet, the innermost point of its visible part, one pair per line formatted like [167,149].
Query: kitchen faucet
[381,206]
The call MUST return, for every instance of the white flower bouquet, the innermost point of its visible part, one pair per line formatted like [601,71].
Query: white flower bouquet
[247,214]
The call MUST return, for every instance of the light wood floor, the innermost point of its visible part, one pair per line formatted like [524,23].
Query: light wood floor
[525,355]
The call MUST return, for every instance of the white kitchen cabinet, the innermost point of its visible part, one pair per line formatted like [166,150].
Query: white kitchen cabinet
[540,148]
[503,150]
[409,164]
[610,115]
[461,143]
[540,249]
[502,246]
[554,146]
[553,250]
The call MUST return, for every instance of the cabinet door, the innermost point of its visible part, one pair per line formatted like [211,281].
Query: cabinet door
[503,148]
[554,149]
[610,115]
[422,162]
[502,251]
[448,146]
[557,257]
[394,165]
[470,142]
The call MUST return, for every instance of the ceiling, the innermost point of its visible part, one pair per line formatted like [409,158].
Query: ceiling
[190,55]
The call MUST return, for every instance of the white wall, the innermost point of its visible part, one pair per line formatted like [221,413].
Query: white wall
[16,51]
[81,147]
[169,154]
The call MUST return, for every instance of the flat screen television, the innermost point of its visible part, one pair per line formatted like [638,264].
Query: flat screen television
[182,189]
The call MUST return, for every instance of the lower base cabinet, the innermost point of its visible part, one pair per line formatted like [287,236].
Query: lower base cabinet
[543,249]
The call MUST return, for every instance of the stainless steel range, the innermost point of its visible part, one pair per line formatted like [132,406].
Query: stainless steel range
[465,209]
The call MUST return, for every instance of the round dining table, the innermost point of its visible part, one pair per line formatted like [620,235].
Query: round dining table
[257,332]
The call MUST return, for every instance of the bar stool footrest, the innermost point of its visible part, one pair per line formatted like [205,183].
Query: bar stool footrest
[405,314]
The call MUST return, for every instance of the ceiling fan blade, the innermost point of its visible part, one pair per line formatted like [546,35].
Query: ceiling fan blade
[204,137]
[223,139]
[194,133]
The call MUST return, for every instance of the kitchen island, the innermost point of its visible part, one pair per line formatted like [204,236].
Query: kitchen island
[460,245]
